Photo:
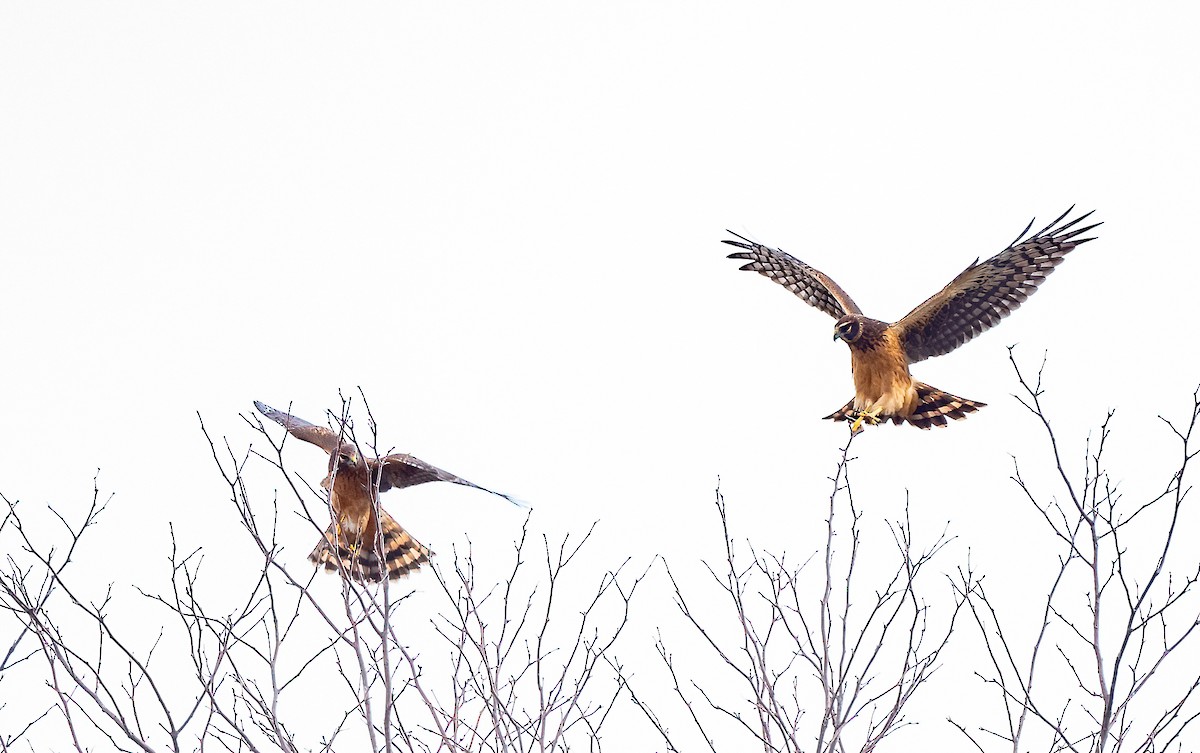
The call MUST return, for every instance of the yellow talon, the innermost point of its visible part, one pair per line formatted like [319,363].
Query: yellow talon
[871,417]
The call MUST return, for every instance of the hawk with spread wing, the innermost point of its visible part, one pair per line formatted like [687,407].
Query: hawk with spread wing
[363,542]
[977,299]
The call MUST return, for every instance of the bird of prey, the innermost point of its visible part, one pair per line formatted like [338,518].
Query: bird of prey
[977,299]
[363,542]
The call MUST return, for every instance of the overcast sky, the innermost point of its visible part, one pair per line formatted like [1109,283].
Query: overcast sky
[502,223]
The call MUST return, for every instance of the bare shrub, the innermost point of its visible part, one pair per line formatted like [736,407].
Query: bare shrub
[825,663]
[1106,672]
[823,654]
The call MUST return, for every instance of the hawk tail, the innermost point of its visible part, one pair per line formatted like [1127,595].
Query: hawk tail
[845,413]
[362,561]
[932,409]
[935,406]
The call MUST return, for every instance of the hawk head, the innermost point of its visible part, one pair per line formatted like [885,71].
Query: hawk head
[347,458]
[346,462]
[859,332]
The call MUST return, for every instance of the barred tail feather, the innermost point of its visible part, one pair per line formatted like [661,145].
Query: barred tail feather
[933,408]
[845,413]
[361,561]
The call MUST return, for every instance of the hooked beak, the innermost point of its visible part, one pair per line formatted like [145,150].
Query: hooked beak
[837,335]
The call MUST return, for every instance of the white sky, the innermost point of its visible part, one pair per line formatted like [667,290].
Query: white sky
[503,223]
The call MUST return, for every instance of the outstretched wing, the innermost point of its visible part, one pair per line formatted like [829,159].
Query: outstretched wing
[984,293]
[813,287]
[321,436]
[402,470]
